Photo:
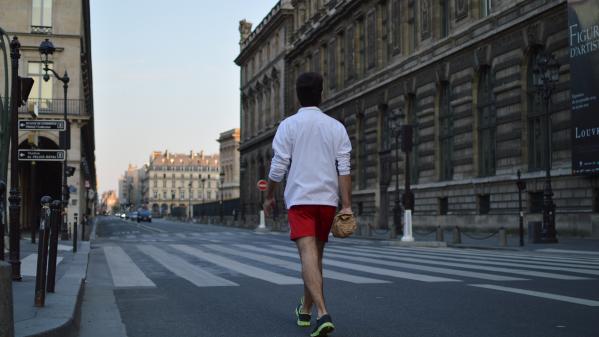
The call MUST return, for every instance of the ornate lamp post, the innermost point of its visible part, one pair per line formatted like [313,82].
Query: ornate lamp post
[46,49]
[189,212]
[395,127]
[14,198]
[545,76]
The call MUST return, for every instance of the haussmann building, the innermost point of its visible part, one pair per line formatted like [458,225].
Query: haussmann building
[460,72]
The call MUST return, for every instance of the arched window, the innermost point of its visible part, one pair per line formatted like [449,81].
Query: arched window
[537,128]
[445,132]
[487,123]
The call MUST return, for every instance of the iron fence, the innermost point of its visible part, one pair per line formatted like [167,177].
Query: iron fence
[43,106]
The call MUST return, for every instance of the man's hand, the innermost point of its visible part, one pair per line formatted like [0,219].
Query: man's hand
[268,205]
[346,210]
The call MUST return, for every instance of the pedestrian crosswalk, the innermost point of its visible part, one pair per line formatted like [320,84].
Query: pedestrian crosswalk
[211,263]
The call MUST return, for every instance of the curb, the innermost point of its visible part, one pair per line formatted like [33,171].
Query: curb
[481,247]
[60,317]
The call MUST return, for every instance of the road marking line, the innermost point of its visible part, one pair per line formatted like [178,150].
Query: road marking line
[502,255]
[295,266]
[151,229]
[575,300]
[361,268]
[125,273]
[181,235]
[29,264]
[468,260]
[241,268]
[568,251]
[184,269]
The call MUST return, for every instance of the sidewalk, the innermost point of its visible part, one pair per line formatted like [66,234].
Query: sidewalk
[59,317]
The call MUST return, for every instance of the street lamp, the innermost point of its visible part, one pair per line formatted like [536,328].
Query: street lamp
[222,181]
[395,127]
[189,214]
[203,185]
[545,76]
[14,198]
[46,49]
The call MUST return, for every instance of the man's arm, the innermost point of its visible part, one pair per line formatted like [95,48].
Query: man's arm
[345,191]
[269,202]
[278,166]
[344,169]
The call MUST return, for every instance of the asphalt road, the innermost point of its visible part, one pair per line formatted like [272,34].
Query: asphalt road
[176,279]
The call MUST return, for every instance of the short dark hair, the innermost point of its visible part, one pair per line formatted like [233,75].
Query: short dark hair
[309,89]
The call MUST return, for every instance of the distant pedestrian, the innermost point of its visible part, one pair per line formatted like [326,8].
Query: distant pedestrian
[314,150]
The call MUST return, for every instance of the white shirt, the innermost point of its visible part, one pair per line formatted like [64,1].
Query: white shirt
[318,149]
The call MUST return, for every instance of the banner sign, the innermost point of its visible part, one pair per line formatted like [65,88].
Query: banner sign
[583,35]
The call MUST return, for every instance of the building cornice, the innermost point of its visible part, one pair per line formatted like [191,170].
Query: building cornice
[262,31]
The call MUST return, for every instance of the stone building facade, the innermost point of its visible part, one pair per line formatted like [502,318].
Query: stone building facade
[66,24]
[229,163]
[132,188]
[177,180]
[460,72]
[262,63]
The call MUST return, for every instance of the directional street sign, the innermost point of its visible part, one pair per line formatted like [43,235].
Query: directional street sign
[41,155]
[38,124]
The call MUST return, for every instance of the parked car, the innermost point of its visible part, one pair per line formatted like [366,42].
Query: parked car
[144,215]
[123,216]
[133,216]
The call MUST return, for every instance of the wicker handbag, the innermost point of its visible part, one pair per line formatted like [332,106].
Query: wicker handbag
[344,225]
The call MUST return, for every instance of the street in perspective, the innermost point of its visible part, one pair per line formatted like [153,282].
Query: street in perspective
[281,168]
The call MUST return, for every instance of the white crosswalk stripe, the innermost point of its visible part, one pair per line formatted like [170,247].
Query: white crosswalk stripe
[503,255]
[125,272]
[184,269]
[485,257]
[295,266]
[359,267]
[241,268]
[419,257]
[551,296]
[498,269]
[204,263]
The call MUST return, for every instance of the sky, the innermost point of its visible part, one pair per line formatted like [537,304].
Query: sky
[164,77]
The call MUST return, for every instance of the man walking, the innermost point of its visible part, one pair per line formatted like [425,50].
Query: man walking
[314,150]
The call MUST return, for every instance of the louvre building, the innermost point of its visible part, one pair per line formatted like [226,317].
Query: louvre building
[459,71]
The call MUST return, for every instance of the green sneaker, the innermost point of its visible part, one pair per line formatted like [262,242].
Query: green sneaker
[324,326]
[303,320]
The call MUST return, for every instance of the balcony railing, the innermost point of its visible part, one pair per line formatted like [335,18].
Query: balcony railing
[42,106]
[41,30]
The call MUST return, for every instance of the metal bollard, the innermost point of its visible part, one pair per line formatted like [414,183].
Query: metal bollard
[2,208]
[55,217]
[502,237]
[440,234]
[457,235]
[75,224]
[7,325]
[42,253]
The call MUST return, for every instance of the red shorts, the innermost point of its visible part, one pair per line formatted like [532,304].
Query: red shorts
[311,220]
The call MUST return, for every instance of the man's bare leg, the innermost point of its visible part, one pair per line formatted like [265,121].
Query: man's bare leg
[310,250]
[308,302]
